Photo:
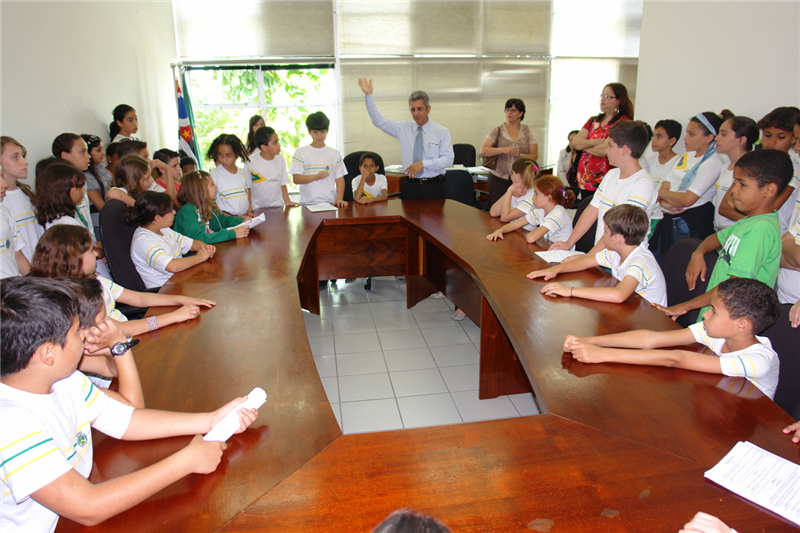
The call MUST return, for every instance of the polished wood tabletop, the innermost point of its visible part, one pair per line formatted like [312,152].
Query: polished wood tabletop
[609,433]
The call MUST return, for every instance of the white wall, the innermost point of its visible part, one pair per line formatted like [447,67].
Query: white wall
[66,65]
[706,56]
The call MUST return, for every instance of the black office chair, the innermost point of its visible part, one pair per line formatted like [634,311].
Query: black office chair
[458,186]
[116,237]
[586,242]
[674,268]
[464,155]
[351,166]
[785,339]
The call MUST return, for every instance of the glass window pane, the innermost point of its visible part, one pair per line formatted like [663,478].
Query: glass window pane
[574,100]
[295,87]
[443,27]
[224,86]
[247,28]
[597,28]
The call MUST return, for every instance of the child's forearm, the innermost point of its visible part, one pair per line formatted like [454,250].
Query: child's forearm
[302,179]
[505,207]
[643,338]
[790,255]
[679,199]
[130,386]
[285,193]
[22,262]
[668,358]
[116,194]
[588,217]
[340,189]
[709,244]
[149,424]
[535,234]
[76,498]
[97,199]
[614,295]
[184,263]
[132,328]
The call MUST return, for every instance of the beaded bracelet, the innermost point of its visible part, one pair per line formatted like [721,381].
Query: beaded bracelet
[570,291]
[152,323]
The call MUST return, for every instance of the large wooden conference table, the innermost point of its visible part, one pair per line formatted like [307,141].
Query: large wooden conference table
[617,448]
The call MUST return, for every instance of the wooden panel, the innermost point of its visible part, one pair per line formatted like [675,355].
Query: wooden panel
[308,282]
[455,282]
[354,251]
[417,286]
[501,370]
[498,476]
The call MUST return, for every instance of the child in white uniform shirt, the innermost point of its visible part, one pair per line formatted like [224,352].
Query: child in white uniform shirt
[660,166]
[626,184]
[736,137]
[270,178]
[549,219]
[625,253]
[234,183]
[49,409]
[369,187]
[740,308]
[66,252]
[19,198]
[12,261]
[317,169]
[156,250]
[125,123]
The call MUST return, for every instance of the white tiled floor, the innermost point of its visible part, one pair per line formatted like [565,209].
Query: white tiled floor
[386,367]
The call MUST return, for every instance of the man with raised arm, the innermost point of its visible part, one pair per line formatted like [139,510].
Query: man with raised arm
[426,147]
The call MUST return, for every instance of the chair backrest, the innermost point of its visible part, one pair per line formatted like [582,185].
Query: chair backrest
[586,242]
[351,167]
[674,268]
[458,186]
[116,237]
[464,155]
[785,339]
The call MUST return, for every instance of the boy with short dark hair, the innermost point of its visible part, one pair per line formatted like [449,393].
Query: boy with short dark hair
[188,164]
[777,133]
[626,254]
[740,308]
[48,409]
[268,170]
[666,133]
[317,169]
[369,187]
[626,184]
[751,248]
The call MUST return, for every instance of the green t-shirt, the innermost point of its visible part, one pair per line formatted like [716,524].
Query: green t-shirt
[751,249]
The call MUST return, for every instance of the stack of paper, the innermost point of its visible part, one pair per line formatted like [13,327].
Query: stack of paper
[761,477]
[556,256]
[253,222]
[316,208]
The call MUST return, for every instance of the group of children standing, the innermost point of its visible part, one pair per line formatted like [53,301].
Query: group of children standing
[745,207]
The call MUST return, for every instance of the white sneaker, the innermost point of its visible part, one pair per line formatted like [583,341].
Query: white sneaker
[458,317]
[437,296]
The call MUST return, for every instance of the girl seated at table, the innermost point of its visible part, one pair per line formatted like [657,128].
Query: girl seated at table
[66,252]
[515,203]
[156,250]
[549,217]
[200,218]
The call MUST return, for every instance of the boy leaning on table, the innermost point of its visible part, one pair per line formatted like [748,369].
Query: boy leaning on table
[49,408]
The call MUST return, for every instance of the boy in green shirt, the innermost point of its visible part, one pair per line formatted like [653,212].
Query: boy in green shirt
[751,248]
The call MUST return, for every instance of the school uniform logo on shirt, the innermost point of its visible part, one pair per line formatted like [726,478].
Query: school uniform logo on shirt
[729,250]
[682,163]
[258,178]
[81,439]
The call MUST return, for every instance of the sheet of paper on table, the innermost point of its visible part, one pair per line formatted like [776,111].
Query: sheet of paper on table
[253,222]
[556,256]
[324,206]
[478,170]
[761,477]
[395,169]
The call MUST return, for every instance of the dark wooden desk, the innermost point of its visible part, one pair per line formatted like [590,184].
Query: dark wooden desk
[653,429]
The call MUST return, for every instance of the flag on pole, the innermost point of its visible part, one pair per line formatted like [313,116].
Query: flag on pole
[186,135]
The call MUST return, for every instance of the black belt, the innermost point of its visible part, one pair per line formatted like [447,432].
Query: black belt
[438,179]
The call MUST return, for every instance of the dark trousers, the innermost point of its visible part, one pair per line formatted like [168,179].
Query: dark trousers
[414,189]
[497,188]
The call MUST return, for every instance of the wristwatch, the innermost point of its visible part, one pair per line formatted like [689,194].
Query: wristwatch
[121,348]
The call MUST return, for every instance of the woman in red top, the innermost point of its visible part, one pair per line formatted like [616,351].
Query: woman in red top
[615,106]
